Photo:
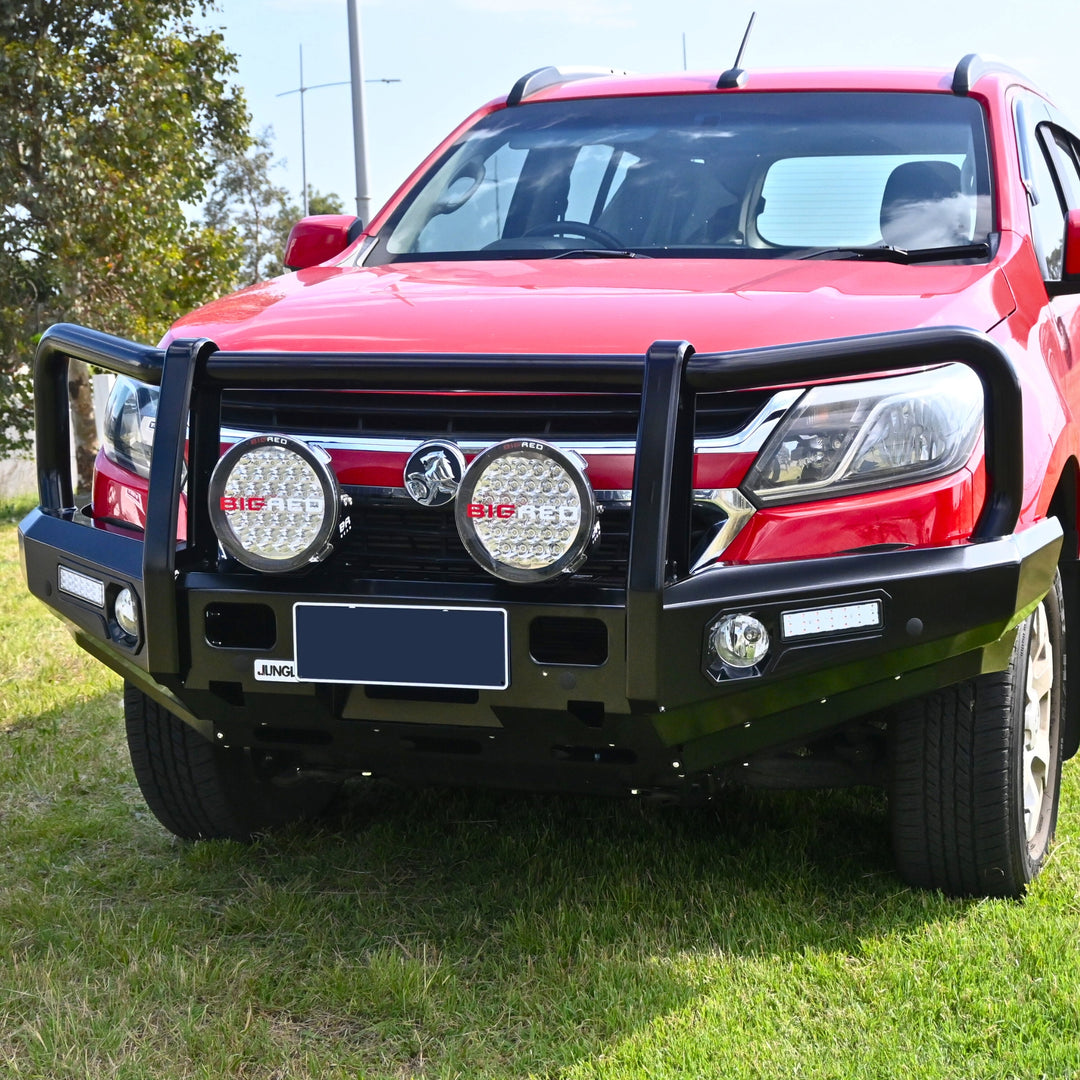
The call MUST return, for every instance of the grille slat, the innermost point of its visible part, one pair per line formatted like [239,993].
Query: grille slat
[582,417]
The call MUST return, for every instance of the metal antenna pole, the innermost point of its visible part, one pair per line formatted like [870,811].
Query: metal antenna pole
[684,51]
[735,76]
[303,136]
[745,38]
[363,197]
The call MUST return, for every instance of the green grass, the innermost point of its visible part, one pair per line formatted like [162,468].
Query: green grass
[450,934]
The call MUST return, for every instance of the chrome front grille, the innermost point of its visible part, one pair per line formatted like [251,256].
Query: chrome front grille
[393,538]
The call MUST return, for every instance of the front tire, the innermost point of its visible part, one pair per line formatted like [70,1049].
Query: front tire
[976,769]
[200,791]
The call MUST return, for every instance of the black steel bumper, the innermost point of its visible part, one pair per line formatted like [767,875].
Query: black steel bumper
[644,706]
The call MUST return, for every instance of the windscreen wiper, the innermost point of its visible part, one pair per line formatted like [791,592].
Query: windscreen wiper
[885,253]
[600,253]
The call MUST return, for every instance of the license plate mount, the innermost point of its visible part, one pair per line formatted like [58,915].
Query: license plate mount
[463,648]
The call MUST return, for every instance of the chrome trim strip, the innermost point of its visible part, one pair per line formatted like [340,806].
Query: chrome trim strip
[749,440]
[605,497]
[754,436]
[738,510]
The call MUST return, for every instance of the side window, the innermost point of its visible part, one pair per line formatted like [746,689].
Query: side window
[1062,148]
[1044,200]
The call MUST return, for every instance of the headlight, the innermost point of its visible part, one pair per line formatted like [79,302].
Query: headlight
[863,436]
[274,503]
[525,511]
[130,416]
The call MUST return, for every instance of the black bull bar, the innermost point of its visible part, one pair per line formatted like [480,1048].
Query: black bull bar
[193,373]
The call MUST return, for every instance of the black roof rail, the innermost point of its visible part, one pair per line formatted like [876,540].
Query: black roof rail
[973,67]
[542,78]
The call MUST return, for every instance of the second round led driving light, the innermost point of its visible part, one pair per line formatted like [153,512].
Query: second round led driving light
[525,511]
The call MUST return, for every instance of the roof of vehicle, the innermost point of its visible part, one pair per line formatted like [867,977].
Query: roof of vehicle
[553,84]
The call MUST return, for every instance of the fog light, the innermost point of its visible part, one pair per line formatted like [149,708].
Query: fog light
[740,641]
[274,503]
[525,511]
[126,612]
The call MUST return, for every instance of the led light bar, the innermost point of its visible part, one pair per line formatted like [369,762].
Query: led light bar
[831,620]
[85,588]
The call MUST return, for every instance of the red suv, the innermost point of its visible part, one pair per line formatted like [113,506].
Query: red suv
[662,433]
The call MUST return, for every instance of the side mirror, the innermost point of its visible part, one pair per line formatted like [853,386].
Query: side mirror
[315,239]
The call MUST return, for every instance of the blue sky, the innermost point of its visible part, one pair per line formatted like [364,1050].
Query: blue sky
[453,55]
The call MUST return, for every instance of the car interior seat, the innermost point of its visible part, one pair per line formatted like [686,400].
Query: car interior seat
[922,206]
[664,203]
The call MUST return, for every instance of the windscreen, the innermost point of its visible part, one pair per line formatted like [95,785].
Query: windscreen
[721,175]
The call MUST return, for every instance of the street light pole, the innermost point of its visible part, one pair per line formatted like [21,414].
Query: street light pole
[303,136]
[302,90]
[363,197]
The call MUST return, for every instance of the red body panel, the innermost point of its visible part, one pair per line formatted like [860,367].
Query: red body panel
[568,307]
[923,515]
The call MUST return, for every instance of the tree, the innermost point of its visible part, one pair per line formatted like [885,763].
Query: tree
[318,203]
[109,114]
[246,203]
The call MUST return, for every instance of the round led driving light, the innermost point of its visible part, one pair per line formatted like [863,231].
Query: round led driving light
[740,641]
[525,511]
[274,503]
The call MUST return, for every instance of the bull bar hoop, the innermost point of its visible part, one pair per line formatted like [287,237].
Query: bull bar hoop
[193,373]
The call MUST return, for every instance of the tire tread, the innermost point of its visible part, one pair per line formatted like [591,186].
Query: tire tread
[952,792]
[198,790]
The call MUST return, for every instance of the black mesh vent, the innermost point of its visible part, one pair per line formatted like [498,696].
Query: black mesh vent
[469,417]
[240,626]
[557,639]
[401,540]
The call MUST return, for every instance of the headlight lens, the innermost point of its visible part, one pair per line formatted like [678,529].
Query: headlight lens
[863,436]
[130,417]
[274,503]
[525,511]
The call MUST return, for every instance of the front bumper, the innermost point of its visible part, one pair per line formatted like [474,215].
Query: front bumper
[640,711]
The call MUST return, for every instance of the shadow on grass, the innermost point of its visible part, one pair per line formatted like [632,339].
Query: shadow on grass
[755,873]
[505,934]
[525,934]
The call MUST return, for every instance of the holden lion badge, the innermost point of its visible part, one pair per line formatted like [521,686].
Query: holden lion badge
[433,473]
